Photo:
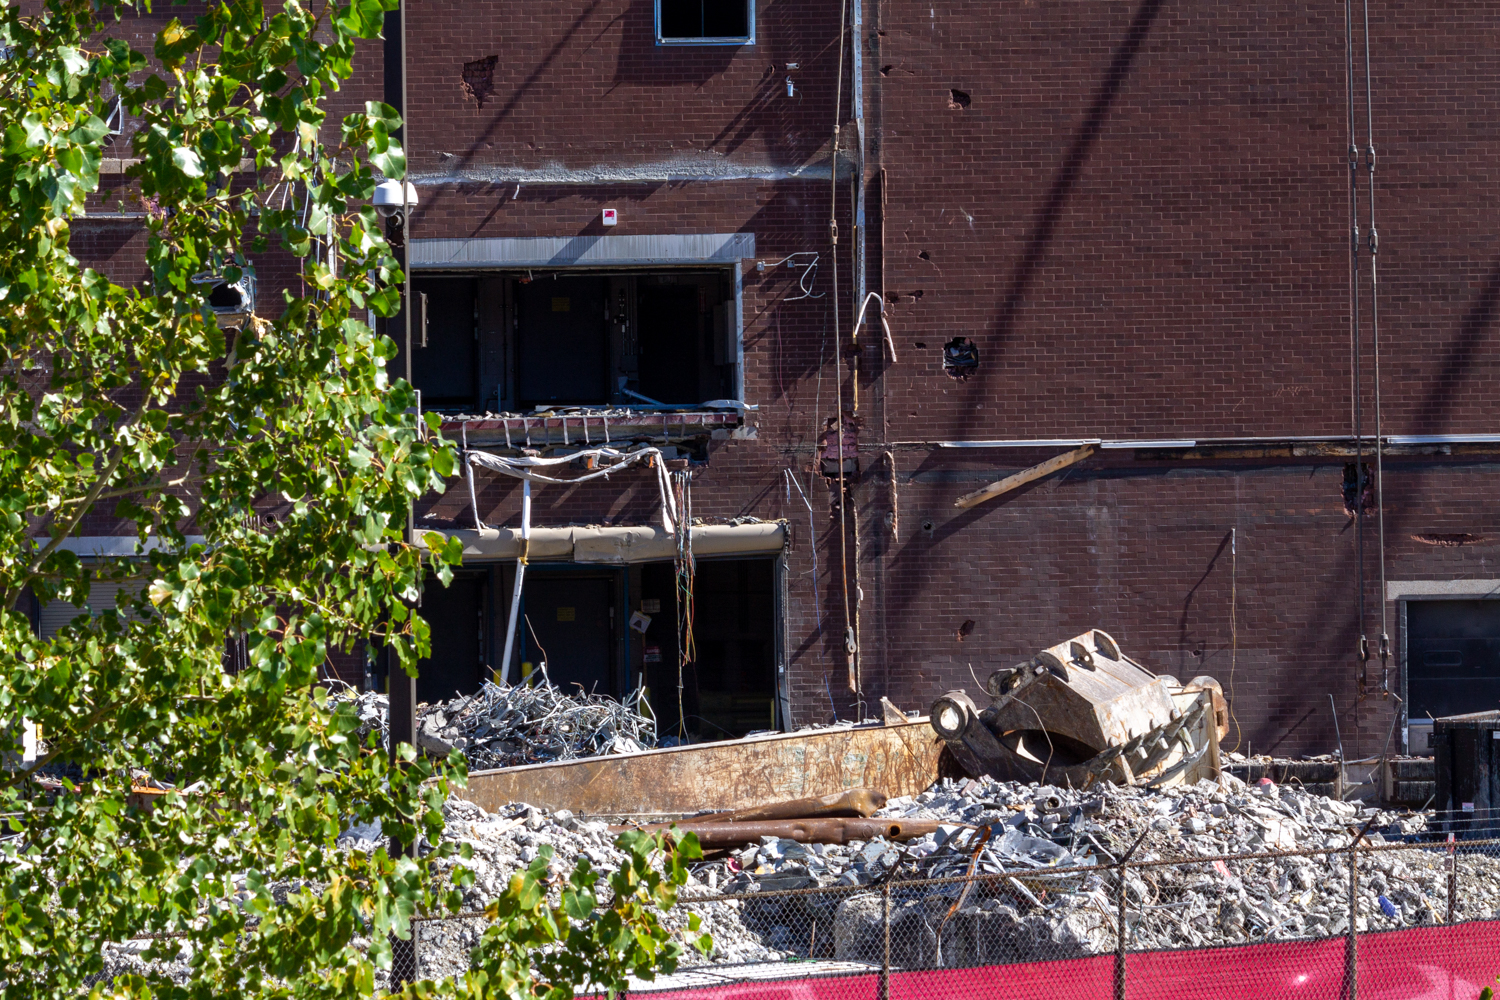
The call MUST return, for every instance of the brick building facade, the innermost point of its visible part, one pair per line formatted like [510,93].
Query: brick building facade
[1138,216]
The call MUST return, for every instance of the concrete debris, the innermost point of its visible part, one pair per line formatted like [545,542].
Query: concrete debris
[1018,914]
[504,726]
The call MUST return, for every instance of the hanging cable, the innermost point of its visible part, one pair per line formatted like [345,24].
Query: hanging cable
[812,534]
[686,572]
[1374,244]
[1234,625]
[850,645]
[1356,390]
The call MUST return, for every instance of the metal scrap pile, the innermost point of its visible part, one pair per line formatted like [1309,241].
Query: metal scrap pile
[503,725]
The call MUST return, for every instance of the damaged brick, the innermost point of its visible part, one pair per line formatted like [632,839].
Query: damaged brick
[960,359]
[965,629]
[957,100]
[479,79]
[1449,540]
[1358,489]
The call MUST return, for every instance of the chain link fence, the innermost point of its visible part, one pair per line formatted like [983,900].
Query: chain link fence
[1388,921]
[1394,920]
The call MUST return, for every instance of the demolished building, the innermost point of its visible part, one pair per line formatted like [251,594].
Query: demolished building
[1112,323]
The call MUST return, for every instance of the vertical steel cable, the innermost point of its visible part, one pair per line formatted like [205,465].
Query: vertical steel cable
[1374,242]
[838,359]
[1356,407]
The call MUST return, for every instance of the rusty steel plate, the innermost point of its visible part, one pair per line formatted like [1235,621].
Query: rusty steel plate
[898,760]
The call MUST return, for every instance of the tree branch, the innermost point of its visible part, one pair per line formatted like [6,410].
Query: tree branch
[88,502]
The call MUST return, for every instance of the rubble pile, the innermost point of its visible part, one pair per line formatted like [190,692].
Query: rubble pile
[1018,913]
[504,725]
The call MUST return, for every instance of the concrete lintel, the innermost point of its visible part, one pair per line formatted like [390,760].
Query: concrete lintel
[115,546]
[1418,590]
[572,251]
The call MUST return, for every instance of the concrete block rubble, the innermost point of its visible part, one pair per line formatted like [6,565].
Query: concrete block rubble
[1023,913]
[504,725]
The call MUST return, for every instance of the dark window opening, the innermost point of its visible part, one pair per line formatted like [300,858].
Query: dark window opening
[705,21]
[562,341]
[576,620]
[516,341]
[444,342]
[730,689]
[570,625]
[458,617]
[1453,657]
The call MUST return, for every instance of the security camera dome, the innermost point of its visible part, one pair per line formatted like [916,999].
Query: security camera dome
[388,197]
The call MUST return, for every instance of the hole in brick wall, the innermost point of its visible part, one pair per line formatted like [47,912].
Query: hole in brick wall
[1358,489]
[479,79]
[965,629]
[919,345]
[1448,539]
[926,525]
[957,100]
[917,294]
[924,255]
[886,70]
[960,359]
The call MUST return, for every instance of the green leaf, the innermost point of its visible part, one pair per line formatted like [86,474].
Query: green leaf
[187,161]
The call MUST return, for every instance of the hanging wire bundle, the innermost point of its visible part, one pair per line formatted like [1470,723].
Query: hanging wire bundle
[686,572]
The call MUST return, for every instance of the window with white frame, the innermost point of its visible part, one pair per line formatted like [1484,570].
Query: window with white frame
[705,22]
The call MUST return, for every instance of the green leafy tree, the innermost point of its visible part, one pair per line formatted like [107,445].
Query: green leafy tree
[132,404]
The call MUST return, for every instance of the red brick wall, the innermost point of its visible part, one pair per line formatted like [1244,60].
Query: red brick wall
[1139,218]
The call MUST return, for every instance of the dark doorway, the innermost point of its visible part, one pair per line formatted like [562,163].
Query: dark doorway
[572,619]
[456,617]
[562,348]
[447,369]
[731,688]
[670,355]
[1452,657]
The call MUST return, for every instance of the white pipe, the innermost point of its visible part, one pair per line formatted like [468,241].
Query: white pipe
[515,594]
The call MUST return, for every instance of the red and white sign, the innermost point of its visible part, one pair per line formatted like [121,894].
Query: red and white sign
[611,217]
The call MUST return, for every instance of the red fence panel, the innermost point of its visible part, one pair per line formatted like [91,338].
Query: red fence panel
[1278,970]
[1451,962]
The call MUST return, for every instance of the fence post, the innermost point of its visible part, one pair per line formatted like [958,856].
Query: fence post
[1351,950]
[1452,875]
[885,962]
[1120,917]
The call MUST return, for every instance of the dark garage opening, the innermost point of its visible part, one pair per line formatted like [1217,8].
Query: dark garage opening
[1452,658]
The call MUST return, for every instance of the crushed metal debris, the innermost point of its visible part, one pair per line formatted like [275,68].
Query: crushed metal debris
[504,725]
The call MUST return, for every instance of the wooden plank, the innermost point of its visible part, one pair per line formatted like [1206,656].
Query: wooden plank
[735,774]
[1054,464]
